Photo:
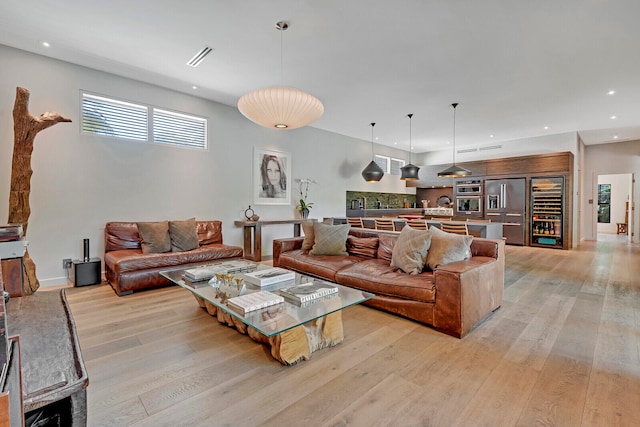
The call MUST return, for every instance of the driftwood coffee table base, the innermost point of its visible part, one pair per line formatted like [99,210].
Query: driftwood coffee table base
[293,345]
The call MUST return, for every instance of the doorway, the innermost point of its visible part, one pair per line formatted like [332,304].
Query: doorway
[614,196]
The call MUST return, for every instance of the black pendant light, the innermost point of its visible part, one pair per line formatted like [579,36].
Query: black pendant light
[373,172]
[454,171]
[409,172]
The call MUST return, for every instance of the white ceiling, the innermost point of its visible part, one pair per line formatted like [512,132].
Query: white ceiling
[515,66]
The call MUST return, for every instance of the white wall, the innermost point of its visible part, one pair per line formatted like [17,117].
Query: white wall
[605,159]
[620,188]
[81,182]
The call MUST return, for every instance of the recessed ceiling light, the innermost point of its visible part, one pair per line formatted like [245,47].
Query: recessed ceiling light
[615,136]
[546,127]
[45,44]
[613,117]
[194,87]
[395,143]
[611,92]
[491,136]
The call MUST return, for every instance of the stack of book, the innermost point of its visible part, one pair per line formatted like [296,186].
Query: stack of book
[206,272]
[269,276]
[10,232]
[306,292]
[253,301]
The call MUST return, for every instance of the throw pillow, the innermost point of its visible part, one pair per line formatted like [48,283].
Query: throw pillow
[364,246]
[447,247]
[309,236]
[155,237]
[410,252]
[330,239]
[184,235]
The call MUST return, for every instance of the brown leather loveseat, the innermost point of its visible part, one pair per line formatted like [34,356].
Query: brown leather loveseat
[453,298]
[128,269]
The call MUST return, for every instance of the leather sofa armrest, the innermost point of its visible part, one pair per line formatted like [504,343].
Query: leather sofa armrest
[285,245]
[467,291]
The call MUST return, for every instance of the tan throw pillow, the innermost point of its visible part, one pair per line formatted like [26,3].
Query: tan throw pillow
[330,239]
[184,235]
[155,237]
[447,248]
[410,252]
[363,246]
[309,236]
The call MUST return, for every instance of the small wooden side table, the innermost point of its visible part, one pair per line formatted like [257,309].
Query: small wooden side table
[253,234]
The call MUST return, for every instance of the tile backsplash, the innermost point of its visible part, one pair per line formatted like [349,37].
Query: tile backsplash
[390,200]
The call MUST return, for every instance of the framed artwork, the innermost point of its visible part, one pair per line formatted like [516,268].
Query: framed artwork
[271,177]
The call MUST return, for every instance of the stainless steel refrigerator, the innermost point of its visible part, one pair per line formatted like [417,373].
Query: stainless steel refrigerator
[506,203]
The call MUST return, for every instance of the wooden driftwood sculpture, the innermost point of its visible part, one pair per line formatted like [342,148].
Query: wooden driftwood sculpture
[25,129]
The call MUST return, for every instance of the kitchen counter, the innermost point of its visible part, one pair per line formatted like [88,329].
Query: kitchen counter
[393,212]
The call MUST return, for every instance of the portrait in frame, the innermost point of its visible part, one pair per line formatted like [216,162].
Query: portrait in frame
[271,177]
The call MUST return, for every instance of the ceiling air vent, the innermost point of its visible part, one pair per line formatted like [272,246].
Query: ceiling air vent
[198,57]
[490,147]
[467,150]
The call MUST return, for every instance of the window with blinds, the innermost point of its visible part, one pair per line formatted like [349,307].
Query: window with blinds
[179,129]
[111,117]
[120,119]
[396,164]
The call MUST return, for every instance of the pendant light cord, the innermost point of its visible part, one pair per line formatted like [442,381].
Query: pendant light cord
[282,26]
[454,105]
[410,143]
[372,152]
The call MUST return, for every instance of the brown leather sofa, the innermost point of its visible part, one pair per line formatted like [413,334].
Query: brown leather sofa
[127,269]
[453,298]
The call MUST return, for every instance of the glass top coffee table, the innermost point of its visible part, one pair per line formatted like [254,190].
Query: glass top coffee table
[293,331]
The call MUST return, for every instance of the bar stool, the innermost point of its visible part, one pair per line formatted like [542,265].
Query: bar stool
[456,227]
[384,224]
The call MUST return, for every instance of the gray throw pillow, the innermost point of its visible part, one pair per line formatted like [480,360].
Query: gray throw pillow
[330,239]
[155,237]
[184,235]
[447,247]
[410,251]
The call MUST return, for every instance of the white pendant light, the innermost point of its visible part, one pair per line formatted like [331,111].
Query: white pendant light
[410,171]
[280,107]
[373,172]
[454,171]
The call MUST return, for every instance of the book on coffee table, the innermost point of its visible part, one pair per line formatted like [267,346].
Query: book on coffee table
[206,272]
[306,292]
[253,301]
[269,276]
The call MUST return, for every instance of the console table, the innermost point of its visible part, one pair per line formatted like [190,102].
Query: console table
[253,234]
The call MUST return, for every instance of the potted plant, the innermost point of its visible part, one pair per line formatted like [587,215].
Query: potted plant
[303,205]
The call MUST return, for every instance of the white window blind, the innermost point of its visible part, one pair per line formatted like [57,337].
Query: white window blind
[383,162]
[396,164]
[179,129]
[110,117]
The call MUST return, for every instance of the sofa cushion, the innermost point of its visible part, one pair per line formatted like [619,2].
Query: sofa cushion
[133,260]
[410,251]
[364,246]
[183,234]
[330,239]
[209,232]
[447,247]
[324,266]
[386,242]
[155,237]
[376,276]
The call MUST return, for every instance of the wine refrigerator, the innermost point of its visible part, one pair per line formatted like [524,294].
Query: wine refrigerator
[547,212]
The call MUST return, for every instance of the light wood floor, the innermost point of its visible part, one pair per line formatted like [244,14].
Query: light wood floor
[563,350]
